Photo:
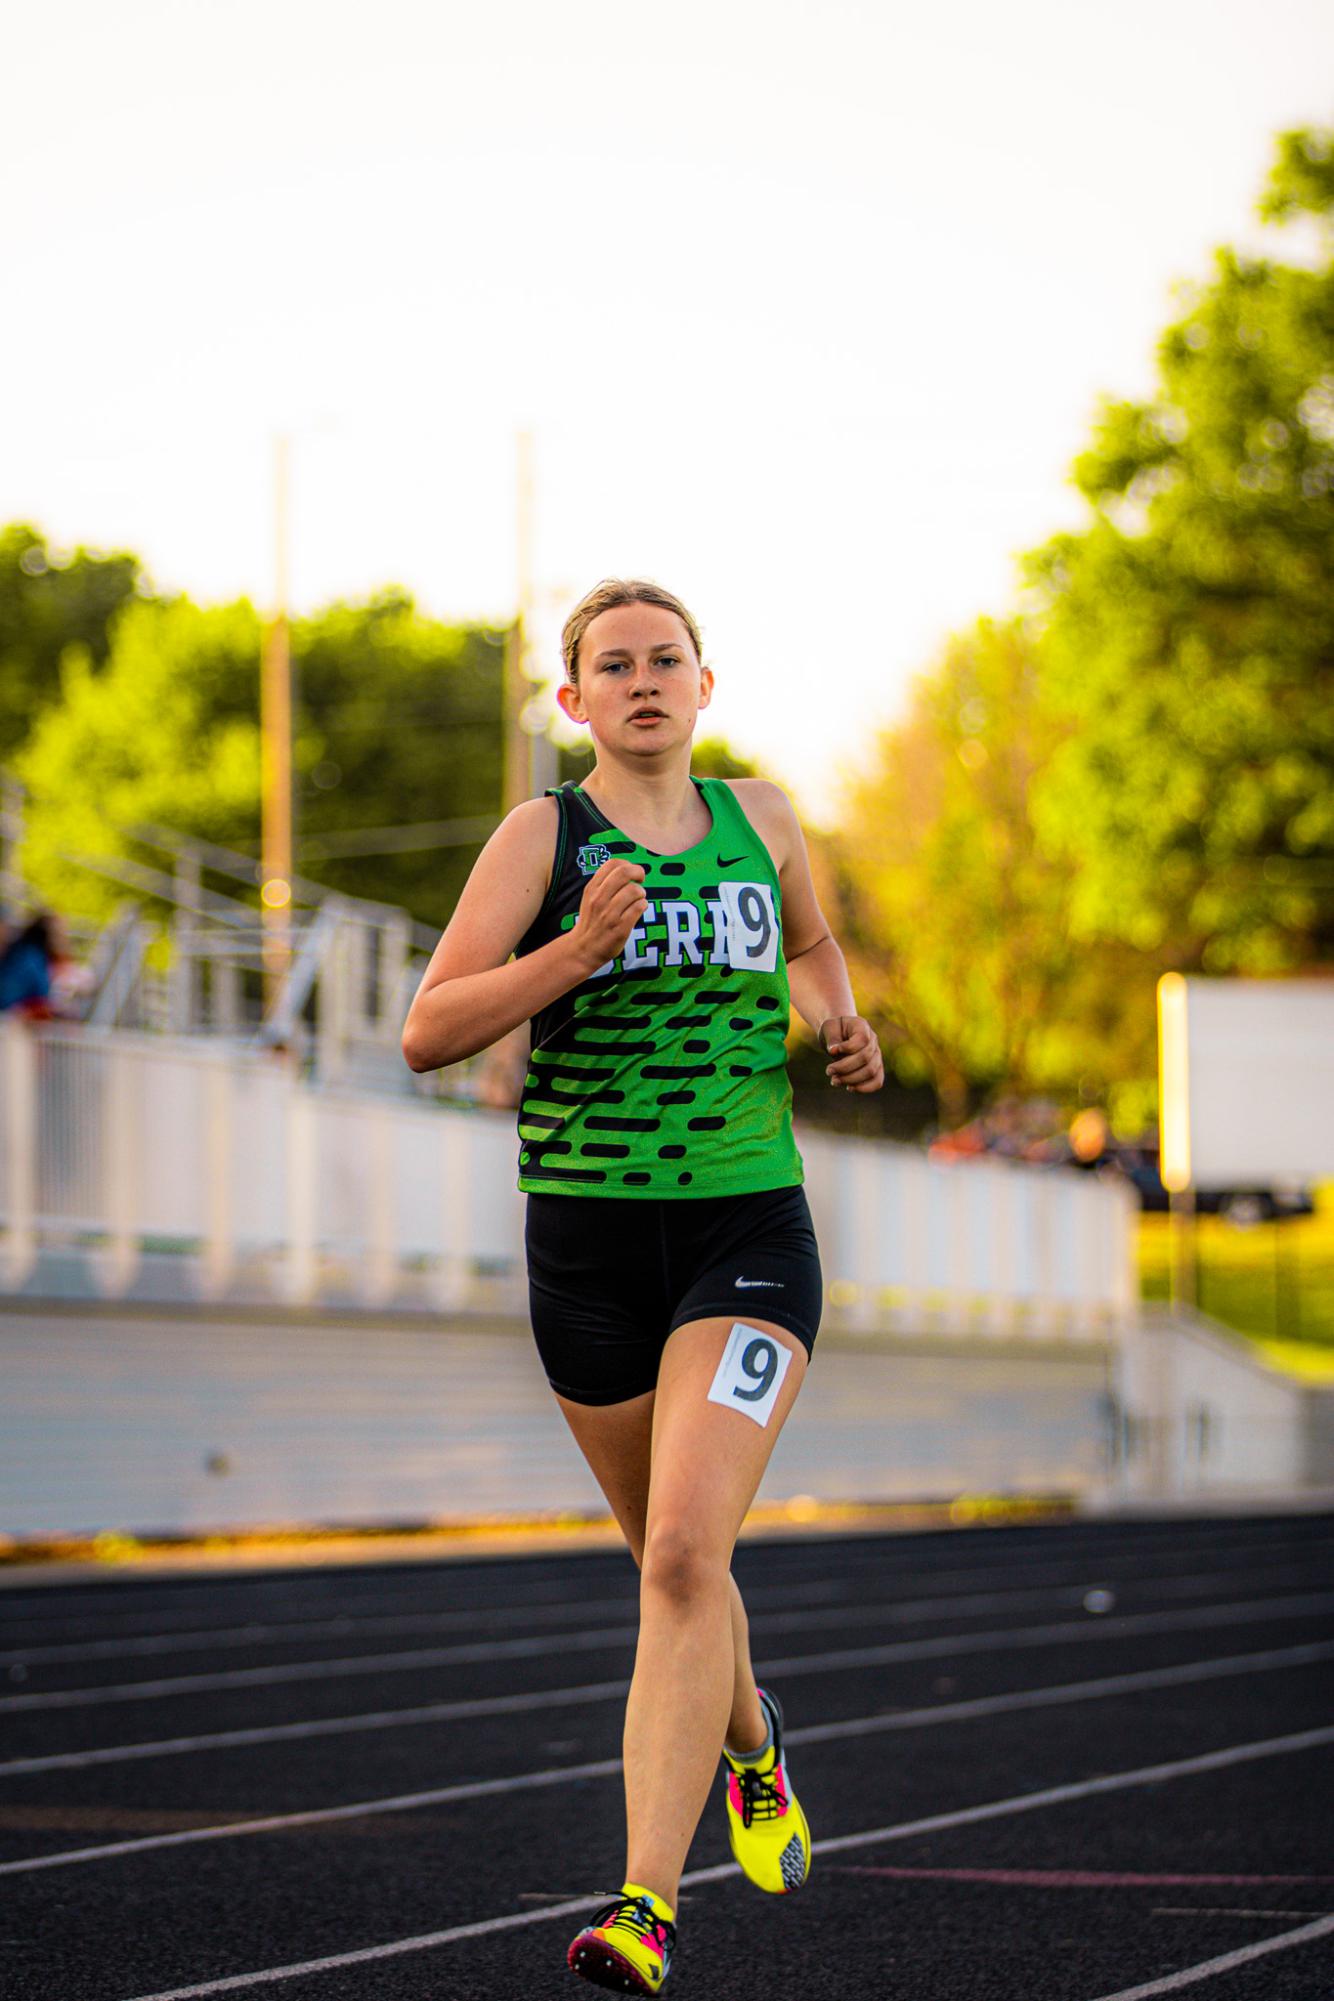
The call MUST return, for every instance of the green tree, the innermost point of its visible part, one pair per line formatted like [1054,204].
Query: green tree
[396,731]
[956,919]
[50,600]
[714,757]
[1188,631]
[166,732]
[397,723]
[711,757]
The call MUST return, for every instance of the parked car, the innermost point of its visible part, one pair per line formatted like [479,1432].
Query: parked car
[1242,1206]
[1035,1131]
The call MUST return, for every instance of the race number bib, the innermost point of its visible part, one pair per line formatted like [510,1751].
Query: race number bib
[752,926]
[750,1373]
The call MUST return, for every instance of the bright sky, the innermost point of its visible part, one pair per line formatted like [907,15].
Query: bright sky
[806,305]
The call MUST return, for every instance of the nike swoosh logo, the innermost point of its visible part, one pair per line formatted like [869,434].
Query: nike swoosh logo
[775,1284]
[730,861]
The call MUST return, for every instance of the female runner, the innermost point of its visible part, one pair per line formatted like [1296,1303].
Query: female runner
[652,927]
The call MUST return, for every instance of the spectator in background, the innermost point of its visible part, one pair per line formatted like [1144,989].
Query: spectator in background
[1008,1128]
[1030,1129]
[34,969]
[1088,1137]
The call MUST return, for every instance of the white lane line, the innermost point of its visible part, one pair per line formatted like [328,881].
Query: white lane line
[182,1634]
[1110,1782]
[601,1768]
[338,1626]
[186,1638]
[409,1660]
[400,1662]
[1078,1691]
[1308,1605]
[1172,1983]
[1209,1761]
[952,1646]
[818,1733]
[896,1612]
[350,1625]
[328,1726]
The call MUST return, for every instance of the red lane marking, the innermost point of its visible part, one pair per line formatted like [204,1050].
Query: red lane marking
[1070,1879]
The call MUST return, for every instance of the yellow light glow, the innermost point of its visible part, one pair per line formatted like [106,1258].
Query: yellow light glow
[276,894]
[1173,1084]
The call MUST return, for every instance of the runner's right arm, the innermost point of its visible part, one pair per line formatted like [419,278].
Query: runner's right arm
[473,991]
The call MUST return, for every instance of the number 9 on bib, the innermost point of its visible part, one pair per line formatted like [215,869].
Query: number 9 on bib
[751,1373]
[752,926]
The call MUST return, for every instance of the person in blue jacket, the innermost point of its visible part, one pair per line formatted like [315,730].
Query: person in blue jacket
[25,963]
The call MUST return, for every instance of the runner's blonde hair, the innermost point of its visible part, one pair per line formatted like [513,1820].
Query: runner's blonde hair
[613,591]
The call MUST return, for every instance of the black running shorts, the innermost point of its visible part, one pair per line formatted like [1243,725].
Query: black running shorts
[610,1276]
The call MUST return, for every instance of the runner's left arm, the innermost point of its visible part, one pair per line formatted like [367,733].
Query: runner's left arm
[817,972]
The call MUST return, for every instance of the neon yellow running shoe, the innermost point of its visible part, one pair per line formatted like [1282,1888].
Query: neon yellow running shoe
[629,1944]
[765,1825]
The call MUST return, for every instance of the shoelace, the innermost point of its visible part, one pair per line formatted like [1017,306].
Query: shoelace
[761,1798]
[637,1915]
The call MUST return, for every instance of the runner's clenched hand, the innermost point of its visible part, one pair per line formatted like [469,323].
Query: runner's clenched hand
[858,1065]
[609,910]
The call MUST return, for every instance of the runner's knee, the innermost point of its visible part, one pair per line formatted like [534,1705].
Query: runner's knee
[681,1564]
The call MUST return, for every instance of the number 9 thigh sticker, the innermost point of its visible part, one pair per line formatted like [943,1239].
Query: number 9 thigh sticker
[750,1373]
[752,926]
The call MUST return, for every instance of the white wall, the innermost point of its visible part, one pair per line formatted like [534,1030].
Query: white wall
[180,1422]
[1201,1413]
[137,1156]
[134,1164]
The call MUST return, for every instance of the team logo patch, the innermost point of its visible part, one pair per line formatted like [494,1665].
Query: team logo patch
[591,858]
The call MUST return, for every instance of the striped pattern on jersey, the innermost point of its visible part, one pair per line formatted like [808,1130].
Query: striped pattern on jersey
[665,1072]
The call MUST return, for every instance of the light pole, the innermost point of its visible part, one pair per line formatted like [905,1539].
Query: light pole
[529,755]
[276,797]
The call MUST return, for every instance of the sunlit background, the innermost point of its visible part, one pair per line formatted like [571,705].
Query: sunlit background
[968,371]
[807,308]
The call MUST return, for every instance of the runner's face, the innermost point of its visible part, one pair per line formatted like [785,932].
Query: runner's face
[640,684]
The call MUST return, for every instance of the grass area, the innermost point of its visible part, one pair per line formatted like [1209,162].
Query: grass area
[1272,1281]
[1313,1361]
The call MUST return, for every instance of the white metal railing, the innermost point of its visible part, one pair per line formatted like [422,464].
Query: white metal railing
[184,958]
[121,1150]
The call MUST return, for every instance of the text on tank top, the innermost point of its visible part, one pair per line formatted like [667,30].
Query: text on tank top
[664,1073]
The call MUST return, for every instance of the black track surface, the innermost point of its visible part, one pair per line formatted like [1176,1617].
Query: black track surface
[359,1685]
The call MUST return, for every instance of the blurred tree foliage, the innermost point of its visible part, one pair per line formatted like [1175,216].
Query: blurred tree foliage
[1188,632]
[51,599]
[397,729]
[1136,775]
[166,731]
[712,757]
[397,724]
[955,920]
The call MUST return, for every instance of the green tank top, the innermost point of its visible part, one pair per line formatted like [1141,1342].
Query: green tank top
[665,1072]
